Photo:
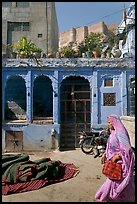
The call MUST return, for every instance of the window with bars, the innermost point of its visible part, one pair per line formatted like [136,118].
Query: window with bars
[18,26]
[109,99]
[6,4]
[108,82]
[22,4]
[132,97]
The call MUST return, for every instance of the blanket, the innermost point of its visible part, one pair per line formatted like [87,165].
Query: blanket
[20,174]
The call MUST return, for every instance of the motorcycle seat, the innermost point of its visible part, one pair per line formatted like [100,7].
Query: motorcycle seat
[92,133]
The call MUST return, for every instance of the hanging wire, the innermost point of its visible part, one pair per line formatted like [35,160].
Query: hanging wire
[94,21]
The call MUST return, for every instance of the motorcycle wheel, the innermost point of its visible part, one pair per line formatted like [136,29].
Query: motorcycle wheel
[87,146]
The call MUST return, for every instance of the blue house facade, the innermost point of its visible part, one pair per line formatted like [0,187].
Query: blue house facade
[46,104]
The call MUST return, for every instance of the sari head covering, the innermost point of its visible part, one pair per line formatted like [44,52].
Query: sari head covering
[120,132]
[119,143]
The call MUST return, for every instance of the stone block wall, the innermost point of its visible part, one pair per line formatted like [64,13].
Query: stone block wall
[99,27]
[129,123]
[78,34]
[66,37]
[81,33]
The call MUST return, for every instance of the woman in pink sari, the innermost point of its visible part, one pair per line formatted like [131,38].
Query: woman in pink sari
[118,150]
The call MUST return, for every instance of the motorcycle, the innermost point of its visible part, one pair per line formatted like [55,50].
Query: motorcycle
[94,142]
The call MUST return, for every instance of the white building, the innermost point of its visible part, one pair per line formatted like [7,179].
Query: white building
[126,33]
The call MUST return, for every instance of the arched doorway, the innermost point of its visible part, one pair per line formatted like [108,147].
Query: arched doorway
[42,98]
[15,98]
[75,110]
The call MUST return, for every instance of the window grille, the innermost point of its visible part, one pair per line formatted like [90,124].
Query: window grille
[109,99]
[132,97]
[18,26]
[22,4]
[108,82]
[6,4]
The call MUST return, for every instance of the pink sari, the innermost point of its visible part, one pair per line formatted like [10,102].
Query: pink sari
[119,142]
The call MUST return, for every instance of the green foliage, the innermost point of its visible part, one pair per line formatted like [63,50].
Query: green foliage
[93,40]
[67,52]
[90,43]
[97,49]
[28,47]
[82,48]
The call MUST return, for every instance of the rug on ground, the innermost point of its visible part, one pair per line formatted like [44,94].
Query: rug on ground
[20,174]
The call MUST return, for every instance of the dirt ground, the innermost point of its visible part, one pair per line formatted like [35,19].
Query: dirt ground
[81,188]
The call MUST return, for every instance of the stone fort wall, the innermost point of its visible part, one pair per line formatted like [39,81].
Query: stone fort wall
[78,34]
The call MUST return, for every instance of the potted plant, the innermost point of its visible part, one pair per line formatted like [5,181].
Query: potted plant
[67,51]
[97,51]
[25,49]
[82,49]
[51,55]
[37,51]
[90,43]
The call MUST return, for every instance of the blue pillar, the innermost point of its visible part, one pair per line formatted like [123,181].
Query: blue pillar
[29,97]
[124,93]
[95,100]
[55,98]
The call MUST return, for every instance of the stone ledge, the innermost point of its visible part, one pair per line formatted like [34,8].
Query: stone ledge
[70,62]
[128,118]
[129,123]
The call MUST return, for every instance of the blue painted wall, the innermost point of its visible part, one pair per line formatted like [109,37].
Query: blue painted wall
[35,137]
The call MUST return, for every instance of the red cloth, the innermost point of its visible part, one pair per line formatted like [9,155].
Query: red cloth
[67,171]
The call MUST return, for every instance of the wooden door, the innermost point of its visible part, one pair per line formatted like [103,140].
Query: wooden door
[13,141]
[75,111]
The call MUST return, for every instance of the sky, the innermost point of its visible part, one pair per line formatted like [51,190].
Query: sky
[77,14]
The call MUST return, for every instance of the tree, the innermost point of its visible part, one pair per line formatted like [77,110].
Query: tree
[90,43]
